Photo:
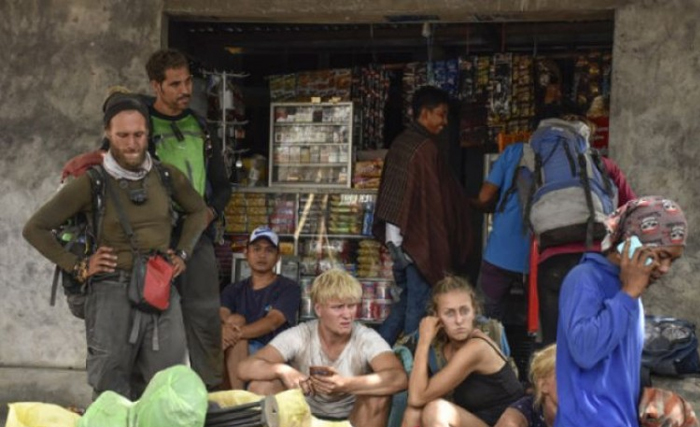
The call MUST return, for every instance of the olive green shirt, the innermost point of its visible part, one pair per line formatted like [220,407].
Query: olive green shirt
[151,221]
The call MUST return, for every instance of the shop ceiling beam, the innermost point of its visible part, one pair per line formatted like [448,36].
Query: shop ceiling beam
[480,45]
[454,34]
[375,11]
[494,43]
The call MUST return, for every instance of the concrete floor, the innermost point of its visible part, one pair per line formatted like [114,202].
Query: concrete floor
[63,387]
[69,387]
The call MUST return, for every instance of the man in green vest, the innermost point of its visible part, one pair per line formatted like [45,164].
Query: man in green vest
[182,139]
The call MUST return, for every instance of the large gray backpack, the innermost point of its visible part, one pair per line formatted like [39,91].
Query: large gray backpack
[564,188]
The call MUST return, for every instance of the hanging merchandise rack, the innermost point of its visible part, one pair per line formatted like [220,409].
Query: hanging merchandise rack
[227,113]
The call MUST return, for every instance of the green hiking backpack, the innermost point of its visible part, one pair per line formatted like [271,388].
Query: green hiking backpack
[80,236]
[184,143]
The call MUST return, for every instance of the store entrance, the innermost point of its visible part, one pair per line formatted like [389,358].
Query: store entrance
[317,105]
[502,77]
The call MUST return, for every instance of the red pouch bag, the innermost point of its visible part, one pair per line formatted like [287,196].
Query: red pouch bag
[151,279]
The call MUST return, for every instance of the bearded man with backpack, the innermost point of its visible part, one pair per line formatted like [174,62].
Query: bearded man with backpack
[182,139]
[125,345]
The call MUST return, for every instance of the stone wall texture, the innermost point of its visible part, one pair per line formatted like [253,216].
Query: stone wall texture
[58,59]
[655,128]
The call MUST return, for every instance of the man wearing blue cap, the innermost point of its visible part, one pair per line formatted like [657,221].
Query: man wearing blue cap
[254,310]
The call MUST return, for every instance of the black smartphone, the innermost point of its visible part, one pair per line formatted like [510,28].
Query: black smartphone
[320,371]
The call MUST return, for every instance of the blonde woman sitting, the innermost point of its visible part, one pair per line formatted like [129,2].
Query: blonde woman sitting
[536,410]
[475,383]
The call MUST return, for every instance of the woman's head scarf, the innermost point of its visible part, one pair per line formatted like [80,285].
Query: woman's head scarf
[657,221]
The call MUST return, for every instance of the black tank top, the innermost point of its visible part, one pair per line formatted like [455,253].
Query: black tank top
[487,396]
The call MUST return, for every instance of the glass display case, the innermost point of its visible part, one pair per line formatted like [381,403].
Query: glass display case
[311,144]
[319,229]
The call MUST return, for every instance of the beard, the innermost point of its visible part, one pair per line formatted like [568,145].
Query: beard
[177,104]
[129,160]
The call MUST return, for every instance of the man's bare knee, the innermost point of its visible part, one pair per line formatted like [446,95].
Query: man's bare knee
[237,319]
[440,412]
[237,352]
[266,388]
[431,411]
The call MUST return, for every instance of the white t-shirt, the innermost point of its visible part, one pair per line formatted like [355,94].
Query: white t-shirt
[394,235]
[301,347]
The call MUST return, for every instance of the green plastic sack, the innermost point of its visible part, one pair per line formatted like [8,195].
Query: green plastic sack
[109,410]
[34,414]
[175,397]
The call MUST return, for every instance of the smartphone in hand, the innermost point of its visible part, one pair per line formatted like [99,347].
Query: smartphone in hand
[320,371]
[634,244]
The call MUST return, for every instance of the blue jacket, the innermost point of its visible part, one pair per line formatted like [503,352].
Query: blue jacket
[599,347]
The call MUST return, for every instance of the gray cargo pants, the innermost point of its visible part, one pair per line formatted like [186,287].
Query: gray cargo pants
[199,288]
[112,362]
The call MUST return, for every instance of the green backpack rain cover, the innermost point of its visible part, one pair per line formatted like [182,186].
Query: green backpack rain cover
[175,397]
[109,410]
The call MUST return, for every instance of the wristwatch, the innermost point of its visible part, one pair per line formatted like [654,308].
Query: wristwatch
[182,254]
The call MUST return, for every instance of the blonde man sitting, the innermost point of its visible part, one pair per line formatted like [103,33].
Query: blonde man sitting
[346,370]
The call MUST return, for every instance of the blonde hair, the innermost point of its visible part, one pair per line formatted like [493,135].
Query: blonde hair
[335,284]
[542,366]
[453,283]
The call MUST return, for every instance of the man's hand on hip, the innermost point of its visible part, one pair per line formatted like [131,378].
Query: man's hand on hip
[104,260]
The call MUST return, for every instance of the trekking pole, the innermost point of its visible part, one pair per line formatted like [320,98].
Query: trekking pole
[533,302]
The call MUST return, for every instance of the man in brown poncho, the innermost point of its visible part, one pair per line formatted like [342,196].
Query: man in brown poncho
[422,213]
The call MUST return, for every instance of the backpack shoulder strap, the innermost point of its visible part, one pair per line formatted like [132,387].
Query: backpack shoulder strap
[585,182]
[97,177]
[527,159]
[201,121]
[165,177]
[607,180]
[495,330]
[536,159]
[493,346]
[208,142]
[513,184]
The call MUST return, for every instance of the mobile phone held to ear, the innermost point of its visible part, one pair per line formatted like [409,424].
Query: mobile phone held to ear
[634,244]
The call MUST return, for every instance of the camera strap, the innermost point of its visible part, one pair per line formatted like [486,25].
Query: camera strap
[123,220]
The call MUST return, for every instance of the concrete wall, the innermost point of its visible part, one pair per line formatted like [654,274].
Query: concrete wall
[58,59]
[655,128]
